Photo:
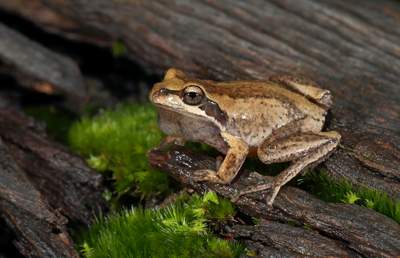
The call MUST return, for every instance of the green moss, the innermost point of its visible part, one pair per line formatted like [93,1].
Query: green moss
[214,208]
[178,230]
[118,141]
[342,191]
[57,121]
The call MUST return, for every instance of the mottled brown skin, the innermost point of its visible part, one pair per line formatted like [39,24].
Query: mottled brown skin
[278,120]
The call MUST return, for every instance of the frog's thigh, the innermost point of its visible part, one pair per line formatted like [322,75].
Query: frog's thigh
[296,146]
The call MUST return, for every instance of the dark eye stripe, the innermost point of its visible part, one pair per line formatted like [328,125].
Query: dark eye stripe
[212,109]
[168,91]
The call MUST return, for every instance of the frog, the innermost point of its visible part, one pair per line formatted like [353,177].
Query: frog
[279,119]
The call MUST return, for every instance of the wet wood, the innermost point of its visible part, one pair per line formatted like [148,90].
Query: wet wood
[42,188]
[274,239]
[346,47]
[361,230]
[68,184]
[40,69]
[40,230]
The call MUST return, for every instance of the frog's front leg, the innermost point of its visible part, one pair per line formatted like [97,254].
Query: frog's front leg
[231,164]
[303,150]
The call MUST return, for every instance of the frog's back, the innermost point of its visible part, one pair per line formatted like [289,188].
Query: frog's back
[260,89]
[257,109]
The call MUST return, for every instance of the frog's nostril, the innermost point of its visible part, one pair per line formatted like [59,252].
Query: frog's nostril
[163,91]
[157,93]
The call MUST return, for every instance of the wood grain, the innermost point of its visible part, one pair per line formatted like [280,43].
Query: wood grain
[65,180]
[39,229]
[349,47]
[40,69]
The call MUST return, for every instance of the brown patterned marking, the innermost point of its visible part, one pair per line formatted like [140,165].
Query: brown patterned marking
[231,160]
[236,89]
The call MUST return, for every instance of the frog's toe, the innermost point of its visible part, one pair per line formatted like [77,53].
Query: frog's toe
[250,190]
[205,175]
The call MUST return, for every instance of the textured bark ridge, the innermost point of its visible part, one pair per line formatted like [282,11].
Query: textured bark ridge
[42,186]
[347,47]
[38,68]
[344,229]
[62,177]
[274,239]
[23,206]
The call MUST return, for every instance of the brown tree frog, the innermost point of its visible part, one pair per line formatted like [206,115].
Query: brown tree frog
[278,120]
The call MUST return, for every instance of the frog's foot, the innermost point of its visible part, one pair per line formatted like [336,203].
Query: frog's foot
[252,189]
[208,175]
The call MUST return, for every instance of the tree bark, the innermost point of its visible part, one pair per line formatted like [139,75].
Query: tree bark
[347,47]
[274,239]
[361,230]
[40,69]
[42,187]
[63,178]
[40,230]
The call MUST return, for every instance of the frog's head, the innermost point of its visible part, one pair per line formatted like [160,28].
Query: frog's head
[179,93]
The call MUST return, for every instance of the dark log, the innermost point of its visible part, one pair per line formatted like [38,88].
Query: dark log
[359,229]
[40,230]
[273,239]
[39,68]
[51,21]
[347,47]
[63,178]
[8,99]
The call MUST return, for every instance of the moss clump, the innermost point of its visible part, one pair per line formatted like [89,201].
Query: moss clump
[117,141]
[342,191]
[178,230]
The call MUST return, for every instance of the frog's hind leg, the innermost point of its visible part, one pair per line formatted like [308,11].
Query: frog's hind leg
[306,87]
[304,150]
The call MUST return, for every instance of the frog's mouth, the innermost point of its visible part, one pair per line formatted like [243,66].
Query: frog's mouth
[165,107]
[178,111]
[209,110]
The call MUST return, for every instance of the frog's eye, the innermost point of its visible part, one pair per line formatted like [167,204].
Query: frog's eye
[193,95]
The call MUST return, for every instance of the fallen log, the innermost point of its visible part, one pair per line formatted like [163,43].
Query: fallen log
[361,230]
[61,177]
[40,230]
[39,68]
[273,239]
[346,47]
